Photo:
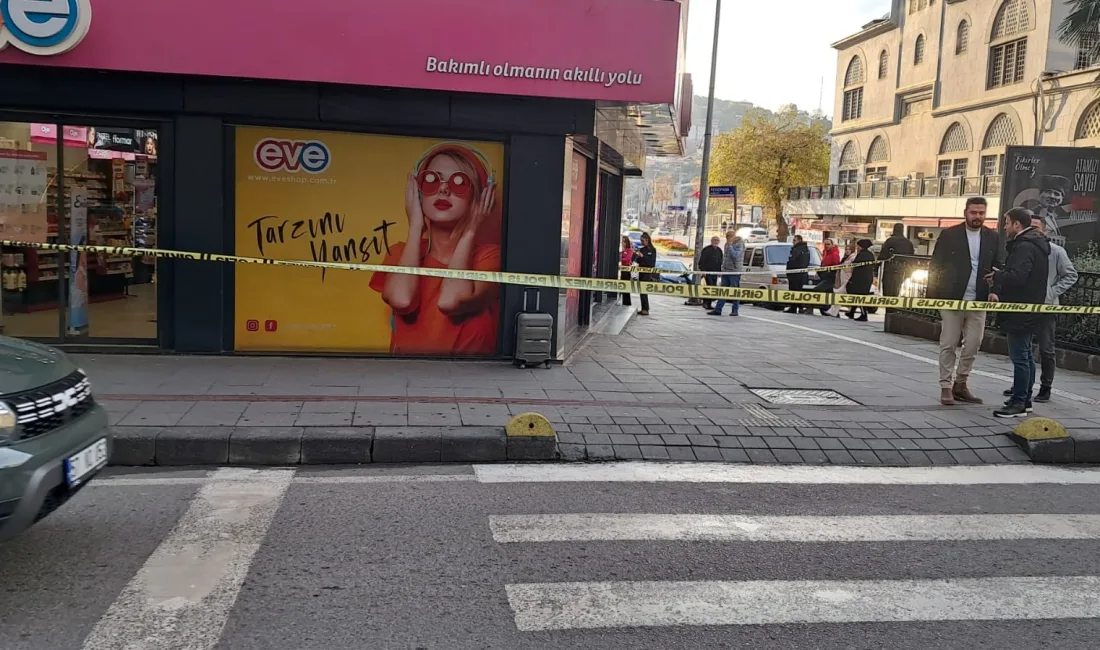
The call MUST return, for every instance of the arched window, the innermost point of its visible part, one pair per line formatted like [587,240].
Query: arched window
[854,75]
[853,93]
[1012,18]
[877,156]
[918,50]
[878,151]
[1089,126]
[883,64]
[1008,49]
[954,142]
[962,37]
[954,139]
[1000,134]
[849,163]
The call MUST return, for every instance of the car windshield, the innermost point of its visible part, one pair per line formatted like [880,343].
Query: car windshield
[780,253]
[671,265]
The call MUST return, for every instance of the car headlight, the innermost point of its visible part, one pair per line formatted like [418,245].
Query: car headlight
[8,421]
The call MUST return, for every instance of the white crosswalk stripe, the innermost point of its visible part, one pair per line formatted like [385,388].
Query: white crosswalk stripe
[623,603]
[587,605]
[610,527]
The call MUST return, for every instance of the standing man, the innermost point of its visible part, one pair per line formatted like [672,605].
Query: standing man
[896,244]
[799,259]
[963,256]
[733,260]
[710,260]
[1060,277]
[1023,280]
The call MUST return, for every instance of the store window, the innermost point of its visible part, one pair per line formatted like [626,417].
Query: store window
[92,185]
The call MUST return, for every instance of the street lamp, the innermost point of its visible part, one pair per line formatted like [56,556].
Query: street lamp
[704,184]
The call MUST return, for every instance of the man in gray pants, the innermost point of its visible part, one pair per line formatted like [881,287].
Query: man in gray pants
[1060,277]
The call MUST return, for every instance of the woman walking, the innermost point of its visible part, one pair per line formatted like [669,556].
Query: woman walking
[843,276]
[625,258]
[827,279]
[863,277]
[646,257]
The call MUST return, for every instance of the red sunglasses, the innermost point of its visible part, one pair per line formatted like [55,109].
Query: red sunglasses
[459,183]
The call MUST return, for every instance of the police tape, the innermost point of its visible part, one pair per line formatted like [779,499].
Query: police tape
[803,298]
[812,269]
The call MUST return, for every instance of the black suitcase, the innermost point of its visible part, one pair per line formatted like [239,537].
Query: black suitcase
[534,333]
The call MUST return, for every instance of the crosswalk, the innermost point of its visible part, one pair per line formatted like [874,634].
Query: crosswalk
[604,604]
[567,556]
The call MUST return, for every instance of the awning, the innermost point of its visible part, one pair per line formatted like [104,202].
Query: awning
[932,222]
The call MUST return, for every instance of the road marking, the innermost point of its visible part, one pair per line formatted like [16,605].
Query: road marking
[724,528]
[182,596]
[640,472]
[391,478]
[152,481]
[590,605]
[149,482]
[916,357]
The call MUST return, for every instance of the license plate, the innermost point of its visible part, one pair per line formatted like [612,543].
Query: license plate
[87,461]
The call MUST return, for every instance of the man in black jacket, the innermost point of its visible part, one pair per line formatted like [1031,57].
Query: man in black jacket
[799,259]
[896,244]
[710,260]
[1023,280]
[963,256]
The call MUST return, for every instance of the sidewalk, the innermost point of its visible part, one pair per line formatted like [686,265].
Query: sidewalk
[671,386]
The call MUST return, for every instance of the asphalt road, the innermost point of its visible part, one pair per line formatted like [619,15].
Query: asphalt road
[592,557]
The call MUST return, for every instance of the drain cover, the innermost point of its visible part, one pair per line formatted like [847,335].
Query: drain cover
[803,397]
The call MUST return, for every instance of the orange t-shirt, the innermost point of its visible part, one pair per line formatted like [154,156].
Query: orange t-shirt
[428,330]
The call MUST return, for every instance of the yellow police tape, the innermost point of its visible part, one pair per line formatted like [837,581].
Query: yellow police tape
[812,269]
[806,298]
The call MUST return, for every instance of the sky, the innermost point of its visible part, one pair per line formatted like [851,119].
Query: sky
[774,52]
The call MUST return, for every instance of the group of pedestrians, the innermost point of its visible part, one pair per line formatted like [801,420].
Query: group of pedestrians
[729,259]
[646,257]
[969,263]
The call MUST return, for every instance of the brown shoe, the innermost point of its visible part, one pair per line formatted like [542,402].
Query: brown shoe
[946,398]
[963,394]
[643,312]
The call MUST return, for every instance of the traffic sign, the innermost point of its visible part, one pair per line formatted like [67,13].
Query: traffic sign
[722,191]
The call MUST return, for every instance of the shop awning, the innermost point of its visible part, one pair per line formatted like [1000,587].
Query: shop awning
[932,222]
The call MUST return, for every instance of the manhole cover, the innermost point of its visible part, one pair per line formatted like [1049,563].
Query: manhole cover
[803,397]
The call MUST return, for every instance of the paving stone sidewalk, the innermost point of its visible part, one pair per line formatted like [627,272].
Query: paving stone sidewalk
[672,386]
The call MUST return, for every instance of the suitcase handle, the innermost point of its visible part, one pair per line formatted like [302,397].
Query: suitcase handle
[538,296]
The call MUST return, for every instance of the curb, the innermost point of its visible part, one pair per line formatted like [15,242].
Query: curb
[281,446]
[1047,441]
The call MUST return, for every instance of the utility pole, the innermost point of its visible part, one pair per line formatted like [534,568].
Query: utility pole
[704,182]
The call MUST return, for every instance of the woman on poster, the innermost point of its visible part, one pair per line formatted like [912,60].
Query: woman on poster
[454,223]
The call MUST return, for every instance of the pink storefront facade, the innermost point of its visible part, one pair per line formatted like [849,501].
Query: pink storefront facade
[164,97]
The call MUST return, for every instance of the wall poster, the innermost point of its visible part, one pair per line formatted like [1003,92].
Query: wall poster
[343,197]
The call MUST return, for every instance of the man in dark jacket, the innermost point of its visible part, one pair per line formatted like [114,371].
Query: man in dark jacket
[799,259]
[1023,280]
[896,244]
[963,256]
[710,260]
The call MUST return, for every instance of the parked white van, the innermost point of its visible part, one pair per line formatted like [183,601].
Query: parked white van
[766,265]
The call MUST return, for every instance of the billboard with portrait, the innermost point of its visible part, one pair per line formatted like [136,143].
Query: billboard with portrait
[1058,184]
[343,197]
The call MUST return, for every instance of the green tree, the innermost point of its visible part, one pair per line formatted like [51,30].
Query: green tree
[769,153]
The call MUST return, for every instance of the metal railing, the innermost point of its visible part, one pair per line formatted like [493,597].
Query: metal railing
[1073,332]
[901,188]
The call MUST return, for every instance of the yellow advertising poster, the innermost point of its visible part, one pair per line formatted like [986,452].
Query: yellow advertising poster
[344,197]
